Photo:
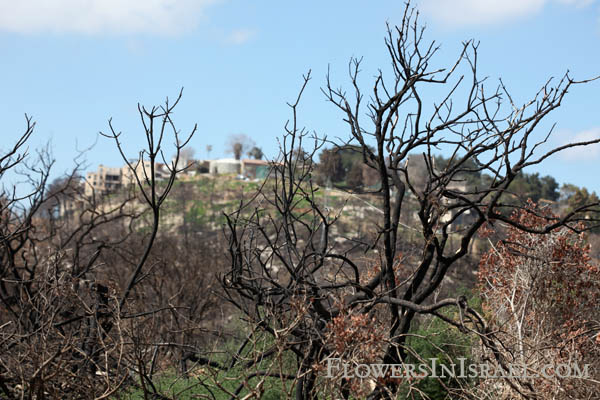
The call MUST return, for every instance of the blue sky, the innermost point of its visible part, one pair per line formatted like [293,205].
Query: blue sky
[72,64]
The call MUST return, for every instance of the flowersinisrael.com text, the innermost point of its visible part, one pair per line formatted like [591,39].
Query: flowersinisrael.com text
[434,369]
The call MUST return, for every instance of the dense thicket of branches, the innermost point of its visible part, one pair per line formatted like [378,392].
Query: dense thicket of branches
[541,293]
[299,285]
[93,298]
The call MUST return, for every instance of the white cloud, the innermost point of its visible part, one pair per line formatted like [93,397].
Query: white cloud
[241,36]
[583,152]
[479,12]
[164,17]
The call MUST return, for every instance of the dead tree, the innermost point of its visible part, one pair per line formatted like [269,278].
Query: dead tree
[292,280]
[70,284]
[541,292]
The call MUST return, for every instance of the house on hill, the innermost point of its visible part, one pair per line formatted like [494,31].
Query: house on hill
[252,169]
[255,169]
[110,179]
[225,166]
[104,180]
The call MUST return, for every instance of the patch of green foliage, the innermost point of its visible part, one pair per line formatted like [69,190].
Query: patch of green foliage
[212,383]
[434,339]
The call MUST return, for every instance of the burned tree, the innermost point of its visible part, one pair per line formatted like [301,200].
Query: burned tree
[295,283]
[541,293]
[72,286]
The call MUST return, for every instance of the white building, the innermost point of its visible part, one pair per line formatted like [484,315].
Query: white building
[225,166]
